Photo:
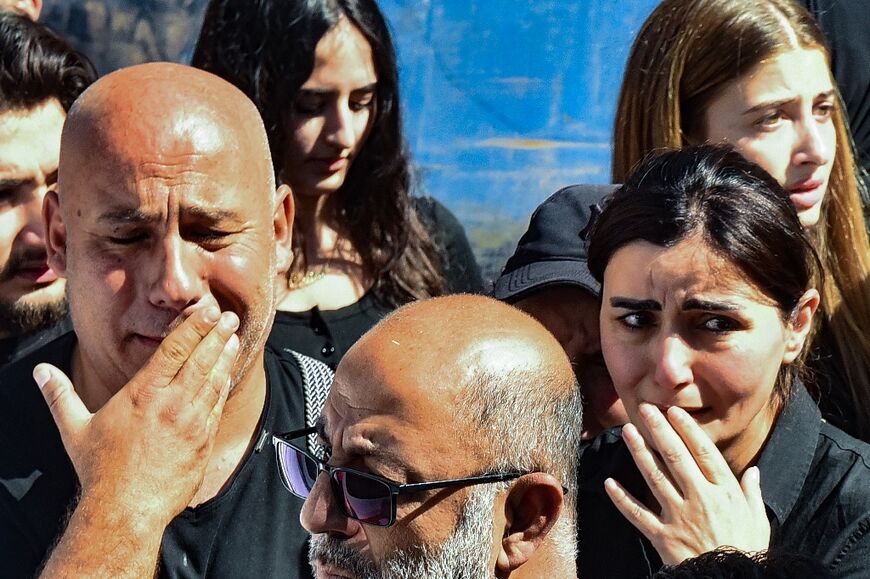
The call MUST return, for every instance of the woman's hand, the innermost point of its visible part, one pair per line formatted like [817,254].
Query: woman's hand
[703,506]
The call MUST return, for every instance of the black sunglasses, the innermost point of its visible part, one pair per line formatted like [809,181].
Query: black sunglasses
[366,497]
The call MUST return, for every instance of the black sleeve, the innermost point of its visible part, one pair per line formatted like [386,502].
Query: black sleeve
[460,267]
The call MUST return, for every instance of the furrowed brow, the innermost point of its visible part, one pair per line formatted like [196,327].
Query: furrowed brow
[127,216]
[210,215]
[696,304]
[14,183]
[768,105]
[633,304]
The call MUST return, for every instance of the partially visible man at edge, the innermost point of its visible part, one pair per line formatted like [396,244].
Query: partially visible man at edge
[548,278]
[29,8]
[169,230]
[40,77]
[444,390]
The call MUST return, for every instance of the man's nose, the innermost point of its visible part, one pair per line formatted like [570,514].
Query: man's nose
[32,232]
[322,514]
[674,363]
[179,279]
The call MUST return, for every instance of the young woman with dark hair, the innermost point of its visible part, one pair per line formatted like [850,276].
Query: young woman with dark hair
[323,75]
[755,74]
[707,301]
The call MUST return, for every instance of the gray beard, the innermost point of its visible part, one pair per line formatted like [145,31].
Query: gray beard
[17,319]
[464,555]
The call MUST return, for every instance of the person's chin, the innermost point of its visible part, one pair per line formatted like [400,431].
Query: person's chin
[322,571]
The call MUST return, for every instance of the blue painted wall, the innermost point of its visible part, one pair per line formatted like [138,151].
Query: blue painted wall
[505,101]
[508,100]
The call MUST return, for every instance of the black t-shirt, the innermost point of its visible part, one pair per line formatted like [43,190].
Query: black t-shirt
[326,335]
[250,529]
[815,481]
[13,348]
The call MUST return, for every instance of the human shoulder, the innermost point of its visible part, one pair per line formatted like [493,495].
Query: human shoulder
[833,516]
[461,270]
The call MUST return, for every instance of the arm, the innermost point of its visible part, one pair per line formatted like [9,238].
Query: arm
[142,456]
[701,504]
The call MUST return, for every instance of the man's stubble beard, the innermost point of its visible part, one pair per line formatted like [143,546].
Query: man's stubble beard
[463,555]
[19,318]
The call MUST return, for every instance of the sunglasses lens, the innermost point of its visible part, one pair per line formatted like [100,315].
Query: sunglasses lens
[300,472]
[365,499]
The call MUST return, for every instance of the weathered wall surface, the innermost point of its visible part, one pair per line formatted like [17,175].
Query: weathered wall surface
[505,101]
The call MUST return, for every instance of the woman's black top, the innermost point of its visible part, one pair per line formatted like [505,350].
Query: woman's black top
[815,481]
[327,334]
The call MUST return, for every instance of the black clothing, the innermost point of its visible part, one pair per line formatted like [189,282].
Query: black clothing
[815,481]
[250,529]
[845,24]
[326,335]
[19,346]
[460,268]
[828,385]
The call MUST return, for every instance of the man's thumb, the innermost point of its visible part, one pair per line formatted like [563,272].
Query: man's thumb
[68,410]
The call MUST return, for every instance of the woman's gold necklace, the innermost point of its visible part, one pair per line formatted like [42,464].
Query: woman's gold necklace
[300,280]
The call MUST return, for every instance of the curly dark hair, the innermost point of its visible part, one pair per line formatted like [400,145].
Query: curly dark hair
[37,65]
[266,48]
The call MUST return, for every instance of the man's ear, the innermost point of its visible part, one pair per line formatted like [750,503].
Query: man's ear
[801,324]
[30,8]
[55,233]
[283,222]
[532,507]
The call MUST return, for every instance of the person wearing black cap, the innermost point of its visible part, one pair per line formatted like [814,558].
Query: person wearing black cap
[548,278]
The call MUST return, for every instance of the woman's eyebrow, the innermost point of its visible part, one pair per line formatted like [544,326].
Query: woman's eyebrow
[696,304]
[634,304]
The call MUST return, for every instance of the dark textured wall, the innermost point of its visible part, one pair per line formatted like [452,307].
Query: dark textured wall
[117,33]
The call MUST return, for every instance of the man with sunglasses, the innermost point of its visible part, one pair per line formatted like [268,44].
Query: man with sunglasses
[446,449]
[149,454]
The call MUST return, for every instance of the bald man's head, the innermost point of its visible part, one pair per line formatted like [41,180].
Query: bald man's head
[448,388]
[165,202]
[164,108]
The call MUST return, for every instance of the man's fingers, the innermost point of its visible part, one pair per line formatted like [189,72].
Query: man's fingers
[632,509]
[197,371]
[217,386]
[178,346]
[67,409]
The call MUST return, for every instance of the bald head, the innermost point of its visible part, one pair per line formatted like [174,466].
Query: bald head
[491,372]
[161,110]
[462,336]
[450,388]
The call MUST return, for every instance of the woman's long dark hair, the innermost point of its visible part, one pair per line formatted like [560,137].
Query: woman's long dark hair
[740,212]
[266,48]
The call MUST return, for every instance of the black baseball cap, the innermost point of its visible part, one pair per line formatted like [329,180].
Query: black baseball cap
[553,250]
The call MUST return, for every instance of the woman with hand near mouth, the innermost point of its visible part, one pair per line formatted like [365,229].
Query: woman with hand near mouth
[323,75]
[707,301]
[755,74]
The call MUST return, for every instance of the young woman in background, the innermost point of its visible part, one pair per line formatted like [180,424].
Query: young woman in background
[323,75]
